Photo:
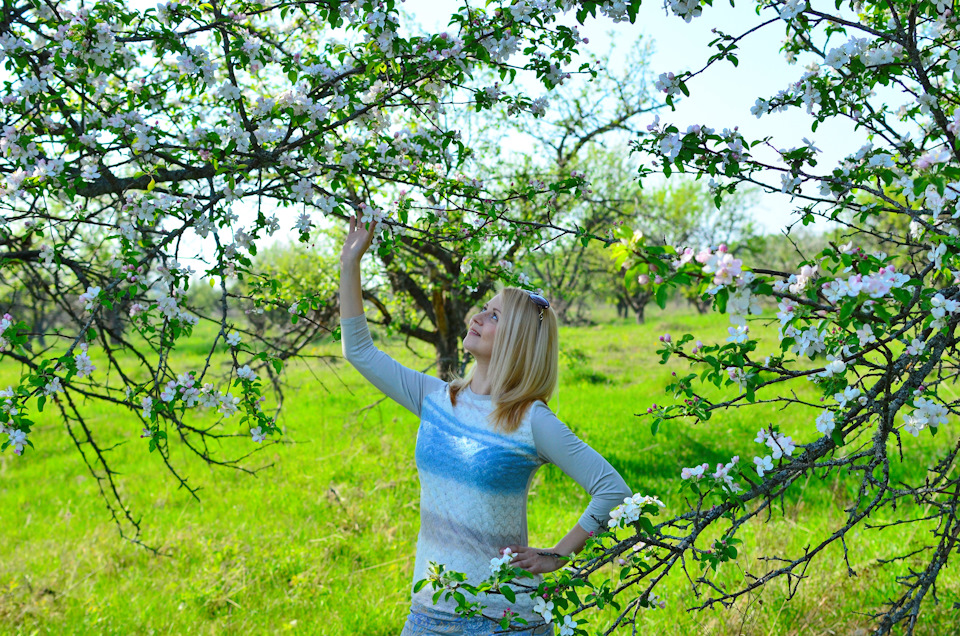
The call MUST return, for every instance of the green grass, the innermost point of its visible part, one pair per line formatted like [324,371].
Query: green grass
[322,541]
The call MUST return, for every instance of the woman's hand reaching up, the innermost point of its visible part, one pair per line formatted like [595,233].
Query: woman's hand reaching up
[356,244]
[358,240]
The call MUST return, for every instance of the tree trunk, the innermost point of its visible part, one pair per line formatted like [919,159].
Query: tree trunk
[450,318]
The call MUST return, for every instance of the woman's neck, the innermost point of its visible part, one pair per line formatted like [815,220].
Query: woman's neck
[480,382]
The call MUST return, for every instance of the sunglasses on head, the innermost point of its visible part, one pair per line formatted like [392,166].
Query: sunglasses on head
[539,301]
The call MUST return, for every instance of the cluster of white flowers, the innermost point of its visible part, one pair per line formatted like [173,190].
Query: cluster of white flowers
[738,334]
[257,434]
[834,366]
[694,473]
[927,413]
[723,477]
[538,107]
[246,373]
[184,386]
[234,339]
[788,182]
[629,511]
[940,308]
[786,313]
[9,405]
[501,49]
[808,342]
[875,285]
[89,298]
[146,406]
[569,626]
[668,83]
[556,75]
[670,146]
[616,10]
[227,404]
[371,214]
[742,301]
[544,608]
[53,386]
[724,267]
[825,422]
[796,283]
[849,394]
[780,446]
[880,55]
[47,253]
[84,364]
[16,438]
[840,56]
[5,323]
[738,376]
[791,9]
[764,464]
[304,223]
[497,563]
[686,9]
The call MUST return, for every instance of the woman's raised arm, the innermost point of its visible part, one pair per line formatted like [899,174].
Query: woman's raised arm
[356,244]
[405,386]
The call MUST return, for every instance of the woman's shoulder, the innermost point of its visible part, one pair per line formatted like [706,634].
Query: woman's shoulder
[541,418]
[540,411]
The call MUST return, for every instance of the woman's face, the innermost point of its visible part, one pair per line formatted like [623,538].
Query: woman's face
[482,328]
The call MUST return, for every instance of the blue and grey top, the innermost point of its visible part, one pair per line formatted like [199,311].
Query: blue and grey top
[474,479]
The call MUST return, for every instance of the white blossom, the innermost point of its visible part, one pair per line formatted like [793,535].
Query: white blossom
[825,422]
[764,464]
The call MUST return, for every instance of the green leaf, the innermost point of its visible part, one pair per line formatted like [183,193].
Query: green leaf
[846,310]
[837,436]
[662,294]
[722,296]
[508,594]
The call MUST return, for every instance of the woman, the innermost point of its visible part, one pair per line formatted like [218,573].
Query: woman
[480,441]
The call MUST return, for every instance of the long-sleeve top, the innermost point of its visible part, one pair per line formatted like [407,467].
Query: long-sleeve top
[474,478]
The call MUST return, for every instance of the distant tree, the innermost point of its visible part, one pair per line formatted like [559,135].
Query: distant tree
[682,213]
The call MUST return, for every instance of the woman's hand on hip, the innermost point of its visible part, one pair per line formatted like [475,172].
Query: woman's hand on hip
[535,560]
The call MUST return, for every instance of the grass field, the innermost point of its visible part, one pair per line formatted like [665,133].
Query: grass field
[322,541]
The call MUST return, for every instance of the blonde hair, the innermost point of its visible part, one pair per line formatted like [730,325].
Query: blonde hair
[523,366]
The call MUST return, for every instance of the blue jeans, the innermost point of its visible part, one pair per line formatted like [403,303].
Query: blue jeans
[427,621]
